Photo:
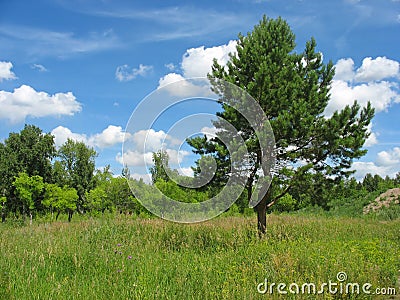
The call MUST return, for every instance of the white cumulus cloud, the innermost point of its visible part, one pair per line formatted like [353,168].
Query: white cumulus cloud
[153,140]
[177,85]
[109,137]
[186,172]
[377,69]
[135,158]
[126,73]
[62,134]
[387,163]
[176,156]
[26,101]
[373,137]
[370,82]
[5,71]
[344,69]
[197,62]
[389,158]
[145,143]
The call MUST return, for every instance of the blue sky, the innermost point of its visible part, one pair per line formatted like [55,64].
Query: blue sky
[79,68]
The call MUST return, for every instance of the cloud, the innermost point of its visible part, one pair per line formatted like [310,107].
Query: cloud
[170,66]
[145,143]
[175,22]
[176,156]
[153,140]
[37,41]
[363,168]
[135,158]
[169,78]
[387,163]
[186,172]
[197,62]
[372,139]
[377,69]
[183,88]
[209,132]
[126,73]
[109,137]
[138,158]
[26,101]
[39,67]
[344,69]
[389,158]
[370,82]
[62,134]
[380,94]
[5,71]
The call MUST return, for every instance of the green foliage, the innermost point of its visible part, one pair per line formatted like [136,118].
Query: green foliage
[78,161]
[60,199]
[161,169]
[29,190]
[98,200]
[285,204]
[111,193]
[377,183]
[178,193]
[29,151]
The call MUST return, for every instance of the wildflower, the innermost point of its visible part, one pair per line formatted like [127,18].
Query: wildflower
[119,245]
[129,257]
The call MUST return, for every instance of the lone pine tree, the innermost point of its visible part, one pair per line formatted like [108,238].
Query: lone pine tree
[293,91]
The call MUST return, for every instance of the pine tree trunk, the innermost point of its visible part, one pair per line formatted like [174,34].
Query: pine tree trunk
[261,209]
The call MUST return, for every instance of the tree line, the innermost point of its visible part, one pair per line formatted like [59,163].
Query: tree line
[344,195]
[36,178]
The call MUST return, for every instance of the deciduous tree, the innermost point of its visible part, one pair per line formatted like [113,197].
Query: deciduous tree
[78,161]
[29,190]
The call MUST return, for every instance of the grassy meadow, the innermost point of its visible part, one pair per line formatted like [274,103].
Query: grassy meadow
[118,257]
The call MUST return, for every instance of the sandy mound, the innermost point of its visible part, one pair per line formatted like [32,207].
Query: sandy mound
[385,199]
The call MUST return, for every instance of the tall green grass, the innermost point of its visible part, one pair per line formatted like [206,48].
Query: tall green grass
[123,258]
